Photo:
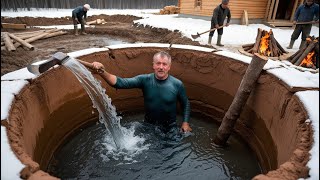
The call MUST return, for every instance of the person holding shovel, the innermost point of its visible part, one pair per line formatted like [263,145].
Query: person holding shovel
[306,15]
[219,15]
[79,16]
[161,92]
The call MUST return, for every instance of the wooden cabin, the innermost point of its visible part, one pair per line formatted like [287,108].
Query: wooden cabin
[272,12]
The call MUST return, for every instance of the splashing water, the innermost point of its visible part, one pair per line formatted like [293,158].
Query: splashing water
[101,101]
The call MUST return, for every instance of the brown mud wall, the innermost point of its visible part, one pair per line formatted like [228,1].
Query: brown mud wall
[54,105]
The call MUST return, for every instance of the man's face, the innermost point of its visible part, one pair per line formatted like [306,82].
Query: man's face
[225,6]
[161,67]
[309,2]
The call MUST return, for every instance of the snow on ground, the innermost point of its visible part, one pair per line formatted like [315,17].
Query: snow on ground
[234,36]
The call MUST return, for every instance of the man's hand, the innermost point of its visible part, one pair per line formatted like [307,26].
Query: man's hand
[294,22]
[217,26]
[227,25]
[185,127]
[98,67]
[77,20]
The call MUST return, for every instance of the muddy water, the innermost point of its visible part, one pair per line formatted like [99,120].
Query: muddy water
[153,154]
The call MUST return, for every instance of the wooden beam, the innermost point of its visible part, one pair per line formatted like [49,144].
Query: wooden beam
[13,26]
[34,38]
[246,86]
[294,10]
[267,10]
[275,10]
[8,43]
[270,10]
[24,43]
[244,18]
[58,33]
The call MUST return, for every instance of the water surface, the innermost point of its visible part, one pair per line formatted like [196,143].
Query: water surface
[152,154]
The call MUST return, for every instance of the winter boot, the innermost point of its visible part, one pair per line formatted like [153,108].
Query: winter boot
[302,44]
[219,41]
[291,44]
[75,30]
[82,30]
[209,40]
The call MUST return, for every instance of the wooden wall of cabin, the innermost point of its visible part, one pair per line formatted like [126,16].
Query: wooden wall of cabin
[256,8]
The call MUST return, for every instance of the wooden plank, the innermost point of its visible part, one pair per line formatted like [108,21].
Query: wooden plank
[13,26]
[267,10]
[270,10]
[244,19]
[294,10]
[275,10]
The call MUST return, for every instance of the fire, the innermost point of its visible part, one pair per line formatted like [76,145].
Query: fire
[309,60]
[264,45]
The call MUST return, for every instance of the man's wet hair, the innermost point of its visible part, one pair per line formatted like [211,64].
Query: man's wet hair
[162,54]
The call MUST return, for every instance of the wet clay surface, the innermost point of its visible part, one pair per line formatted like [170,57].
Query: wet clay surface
[118,27]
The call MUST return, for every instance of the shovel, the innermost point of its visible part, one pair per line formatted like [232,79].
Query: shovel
[309,22]
[58,58]
[198,34]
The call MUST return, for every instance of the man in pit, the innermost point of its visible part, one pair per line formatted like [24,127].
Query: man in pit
[161,92]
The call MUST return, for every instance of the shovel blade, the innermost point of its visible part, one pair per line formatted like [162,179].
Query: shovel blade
[195,36]
[56,59]
[34,69]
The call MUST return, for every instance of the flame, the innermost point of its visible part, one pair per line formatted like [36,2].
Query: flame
[264,45]
[308,60]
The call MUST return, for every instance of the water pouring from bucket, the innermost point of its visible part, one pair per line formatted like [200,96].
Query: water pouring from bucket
[100,100]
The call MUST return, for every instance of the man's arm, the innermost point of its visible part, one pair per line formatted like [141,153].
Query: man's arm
[118,82]
[186,109]
[229,17]
[215,16]
[296,15]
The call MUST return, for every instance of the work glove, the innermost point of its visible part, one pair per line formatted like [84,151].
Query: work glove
[294,22]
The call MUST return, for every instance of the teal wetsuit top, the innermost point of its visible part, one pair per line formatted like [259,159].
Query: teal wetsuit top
[160,97]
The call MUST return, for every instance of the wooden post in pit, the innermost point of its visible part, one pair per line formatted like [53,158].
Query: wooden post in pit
[246,86]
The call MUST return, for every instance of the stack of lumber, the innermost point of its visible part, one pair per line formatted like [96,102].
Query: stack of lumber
[13,26]
[96,22]
[170,10]
[307,55]
[11,41]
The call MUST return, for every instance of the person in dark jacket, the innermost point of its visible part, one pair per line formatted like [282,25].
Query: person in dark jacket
[161,92]
[307,12]
[79,16]
[219,15]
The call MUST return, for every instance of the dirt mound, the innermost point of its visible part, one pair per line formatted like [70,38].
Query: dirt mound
[37,21]
[41,21]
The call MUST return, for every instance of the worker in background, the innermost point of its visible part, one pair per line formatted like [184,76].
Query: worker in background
[307,12]
[219,15]
[79,16]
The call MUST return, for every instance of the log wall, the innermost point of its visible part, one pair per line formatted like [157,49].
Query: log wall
[256,8]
